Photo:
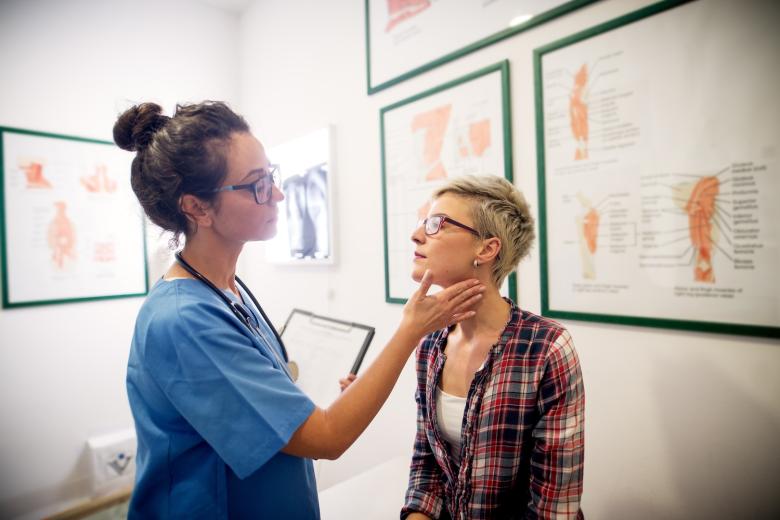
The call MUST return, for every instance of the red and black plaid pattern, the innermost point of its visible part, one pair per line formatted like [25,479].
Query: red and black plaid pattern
[522,439]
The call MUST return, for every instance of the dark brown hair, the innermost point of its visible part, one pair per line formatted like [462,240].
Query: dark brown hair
[183,154]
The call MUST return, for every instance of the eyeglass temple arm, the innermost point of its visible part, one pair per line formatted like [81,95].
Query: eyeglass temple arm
[236,187]
[462,226]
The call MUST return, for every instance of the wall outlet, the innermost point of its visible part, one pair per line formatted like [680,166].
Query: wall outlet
[113,460]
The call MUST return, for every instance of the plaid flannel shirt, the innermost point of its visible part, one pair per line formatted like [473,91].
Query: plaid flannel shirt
[522,434]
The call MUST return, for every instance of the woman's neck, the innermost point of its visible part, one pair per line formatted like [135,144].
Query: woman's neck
[492,313]
[214,261]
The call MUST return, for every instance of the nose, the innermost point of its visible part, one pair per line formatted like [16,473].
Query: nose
[276,194]
[418,235]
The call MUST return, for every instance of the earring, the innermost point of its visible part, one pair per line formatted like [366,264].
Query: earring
[476,263]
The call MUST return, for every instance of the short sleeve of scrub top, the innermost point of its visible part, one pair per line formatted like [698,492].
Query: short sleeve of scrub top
[195,374]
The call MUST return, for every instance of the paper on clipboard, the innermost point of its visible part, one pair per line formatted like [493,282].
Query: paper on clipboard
[325,349]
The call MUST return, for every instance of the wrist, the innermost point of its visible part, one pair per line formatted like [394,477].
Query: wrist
[408,334]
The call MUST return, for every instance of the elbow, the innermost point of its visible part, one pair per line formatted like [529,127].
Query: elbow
[335,444]
[336,447]
[333,452]
[333,449]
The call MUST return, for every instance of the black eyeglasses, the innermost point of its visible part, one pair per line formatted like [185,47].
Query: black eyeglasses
[262,187]
[433,224]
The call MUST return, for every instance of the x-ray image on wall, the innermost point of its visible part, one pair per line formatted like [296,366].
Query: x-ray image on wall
[307,213]
[304,229]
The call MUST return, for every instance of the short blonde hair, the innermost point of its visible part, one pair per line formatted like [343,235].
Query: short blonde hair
[499,210]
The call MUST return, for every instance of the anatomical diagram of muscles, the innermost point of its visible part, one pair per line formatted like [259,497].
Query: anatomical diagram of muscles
[590,110]
[401,10]
[99,182]
[432,125]
[479,139]
[61,237]
[33,173]
[704,201]
[445,142]
[587,229]
[698,200]
[578,113]
[600,229]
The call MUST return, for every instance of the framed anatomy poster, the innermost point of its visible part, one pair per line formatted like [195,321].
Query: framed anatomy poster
[658,169]
[407,37]
[72,228]
[459,128]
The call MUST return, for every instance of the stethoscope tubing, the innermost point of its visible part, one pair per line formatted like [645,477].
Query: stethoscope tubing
[236,310]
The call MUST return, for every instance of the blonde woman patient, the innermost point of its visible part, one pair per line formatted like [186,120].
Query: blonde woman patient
[500,400]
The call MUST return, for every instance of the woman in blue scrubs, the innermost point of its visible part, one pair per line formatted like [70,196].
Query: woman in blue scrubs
[223,431]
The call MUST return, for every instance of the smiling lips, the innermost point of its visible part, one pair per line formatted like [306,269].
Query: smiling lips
[418,256]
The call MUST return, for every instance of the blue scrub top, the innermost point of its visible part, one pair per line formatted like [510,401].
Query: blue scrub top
[213,407]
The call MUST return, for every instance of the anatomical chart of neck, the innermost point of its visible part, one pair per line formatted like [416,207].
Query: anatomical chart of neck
[72,227]
[661,170]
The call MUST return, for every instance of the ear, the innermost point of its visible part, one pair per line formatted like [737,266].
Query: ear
[197,211]
[489,250]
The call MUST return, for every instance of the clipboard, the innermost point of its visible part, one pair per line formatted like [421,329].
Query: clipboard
[325,349]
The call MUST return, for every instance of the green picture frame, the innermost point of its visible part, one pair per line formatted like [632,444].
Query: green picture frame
[481,98]
[72,229]
[451,42]
[654,288]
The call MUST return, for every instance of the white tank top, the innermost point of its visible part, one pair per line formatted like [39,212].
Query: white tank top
[449,416]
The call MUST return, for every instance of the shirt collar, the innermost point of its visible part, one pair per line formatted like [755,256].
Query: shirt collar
[510,330]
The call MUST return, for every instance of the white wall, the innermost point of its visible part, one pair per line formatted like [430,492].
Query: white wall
[678,424]
[70,67]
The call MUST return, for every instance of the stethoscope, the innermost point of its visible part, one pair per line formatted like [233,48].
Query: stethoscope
[289,367]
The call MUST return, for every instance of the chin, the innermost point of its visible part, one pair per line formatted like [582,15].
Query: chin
[417,273]
[267,234]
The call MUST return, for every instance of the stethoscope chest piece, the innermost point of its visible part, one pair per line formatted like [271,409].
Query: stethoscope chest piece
[292,366]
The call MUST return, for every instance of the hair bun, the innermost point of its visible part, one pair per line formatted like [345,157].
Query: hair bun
[135,128]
